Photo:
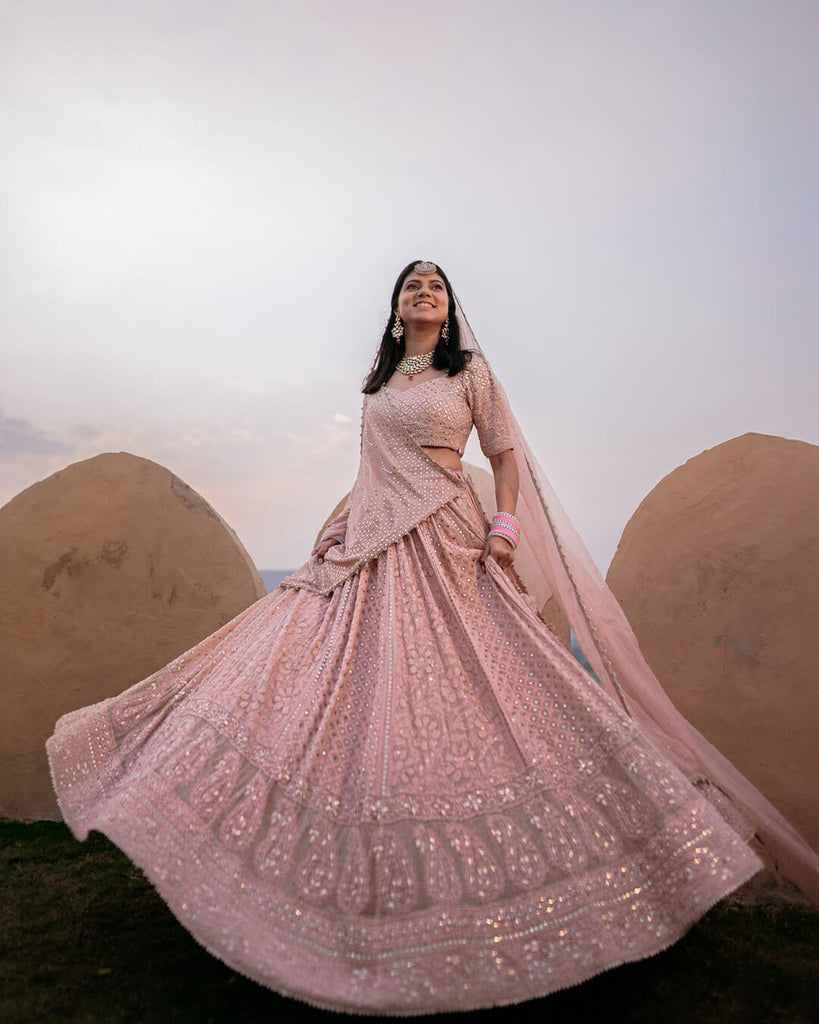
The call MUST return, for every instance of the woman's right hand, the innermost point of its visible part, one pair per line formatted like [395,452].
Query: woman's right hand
[499,549]
[321,549]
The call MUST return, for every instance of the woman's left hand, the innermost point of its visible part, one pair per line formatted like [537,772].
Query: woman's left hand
[321,549]
[499,549]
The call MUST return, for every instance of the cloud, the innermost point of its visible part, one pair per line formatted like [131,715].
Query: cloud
[19,437]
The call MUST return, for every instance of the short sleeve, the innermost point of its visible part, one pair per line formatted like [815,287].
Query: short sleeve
[488,408]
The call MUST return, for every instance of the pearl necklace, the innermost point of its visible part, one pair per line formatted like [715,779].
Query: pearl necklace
[410,365]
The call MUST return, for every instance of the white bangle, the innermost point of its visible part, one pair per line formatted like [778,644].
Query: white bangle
[506,535]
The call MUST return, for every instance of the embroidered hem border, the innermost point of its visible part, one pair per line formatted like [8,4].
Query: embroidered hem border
[517,950]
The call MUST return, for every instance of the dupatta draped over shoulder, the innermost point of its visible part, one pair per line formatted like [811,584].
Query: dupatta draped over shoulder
[398,484]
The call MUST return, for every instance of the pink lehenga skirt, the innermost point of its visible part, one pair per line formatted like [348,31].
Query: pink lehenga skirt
[402,798]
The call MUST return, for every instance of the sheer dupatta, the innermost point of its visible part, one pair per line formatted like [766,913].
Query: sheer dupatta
[562,568]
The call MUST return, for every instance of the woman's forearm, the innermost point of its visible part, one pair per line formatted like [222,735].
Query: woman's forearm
[505,471]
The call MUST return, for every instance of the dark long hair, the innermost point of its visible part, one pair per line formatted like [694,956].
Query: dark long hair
[448,355]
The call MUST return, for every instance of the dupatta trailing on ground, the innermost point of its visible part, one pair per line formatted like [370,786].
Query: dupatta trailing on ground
[561,567]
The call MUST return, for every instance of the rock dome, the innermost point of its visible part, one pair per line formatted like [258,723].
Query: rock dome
[110,569]
[718,572]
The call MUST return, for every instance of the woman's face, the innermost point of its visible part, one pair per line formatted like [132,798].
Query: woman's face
[423,300]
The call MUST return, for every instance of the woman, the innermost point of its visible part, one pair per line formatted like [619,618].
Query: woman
[386,787]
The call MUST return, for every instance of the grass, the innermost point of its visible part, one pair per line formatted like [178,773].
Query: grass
[85,938]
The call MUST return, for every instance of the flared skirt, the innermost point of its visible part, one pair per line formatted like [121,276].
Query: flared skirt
[401,798]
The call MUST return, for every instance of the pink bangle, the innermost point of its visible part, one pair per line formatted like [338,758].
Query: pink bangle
[506,517]
[507,526]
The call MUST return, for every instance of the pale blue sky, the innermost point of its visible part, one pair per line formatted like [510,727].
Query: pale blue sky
[203,207]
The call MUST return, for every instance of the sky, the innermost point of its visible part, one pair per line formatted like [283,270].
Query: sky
[204,206]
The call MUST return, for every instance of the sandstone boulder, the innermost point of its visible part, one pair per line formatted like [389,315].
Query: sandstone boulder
[110,569]
[718,572]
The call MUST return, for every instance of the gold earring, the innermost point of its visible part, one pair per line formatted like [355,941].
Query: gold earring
[445,330]
[398,329]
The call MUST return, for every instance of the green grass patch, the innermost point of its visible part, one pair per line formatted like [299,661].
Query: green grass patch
[85,938]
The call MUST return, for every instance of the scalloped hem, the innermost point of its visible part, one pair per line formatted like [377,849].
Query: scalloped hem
[572,972]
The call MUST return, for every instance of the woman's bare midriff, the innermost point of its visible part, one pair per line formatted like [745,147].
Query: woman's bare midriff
[446,457]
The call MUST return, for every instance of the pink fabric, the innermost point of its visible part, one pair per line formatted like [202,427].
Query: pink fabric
[337,527]
[562,567]
[402,795]
[398,484]
[449,406]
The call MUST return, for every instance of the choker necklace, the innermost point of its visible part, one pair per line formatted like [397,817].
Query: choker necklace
[410,365]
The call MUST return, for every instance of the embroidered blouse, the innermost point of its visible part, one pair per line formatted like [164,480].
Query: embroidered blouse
[440,412]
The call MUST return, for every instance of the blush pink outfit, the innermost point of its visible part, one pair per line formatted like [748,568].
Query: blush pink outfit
[386,787]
